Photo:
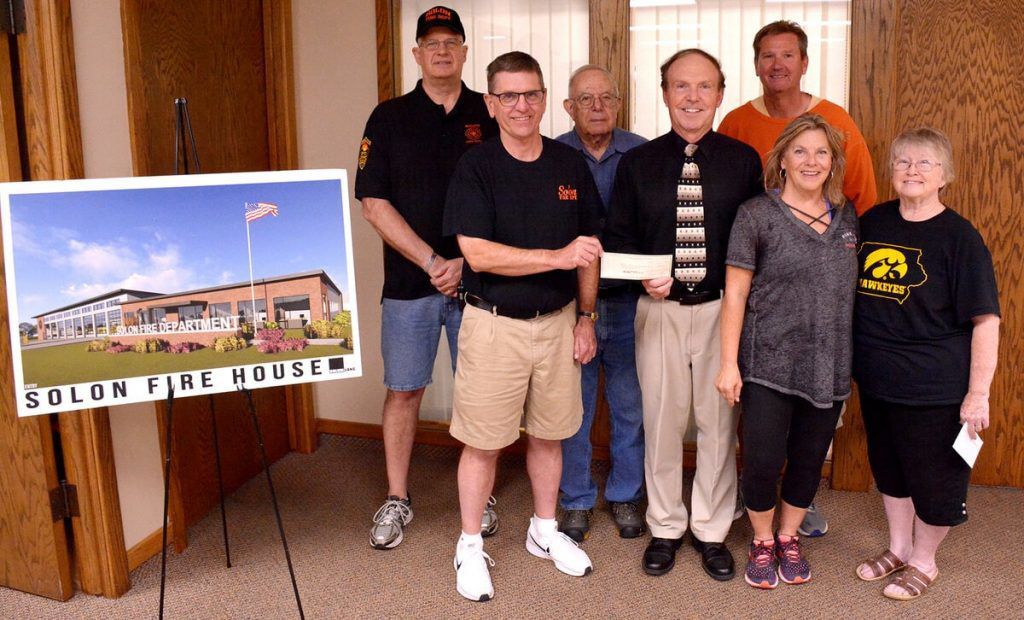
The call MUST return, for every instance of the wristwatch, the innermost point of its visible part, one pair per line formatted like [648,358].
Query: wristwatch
[590,315]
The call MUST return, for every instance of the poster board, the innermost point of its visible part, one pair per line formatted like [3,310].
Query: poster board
[120,289]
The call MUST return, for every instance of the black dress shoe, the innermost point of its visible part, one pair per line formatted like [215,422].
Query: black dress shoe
[660,555]
[715,559]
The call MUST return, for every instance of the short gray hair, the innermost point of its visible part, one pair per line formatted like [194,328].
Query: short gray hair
[592,67]
[928,137]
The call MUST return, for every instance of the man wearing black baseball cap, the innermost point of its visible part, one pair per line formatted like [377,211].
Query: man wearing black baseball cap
[406,157]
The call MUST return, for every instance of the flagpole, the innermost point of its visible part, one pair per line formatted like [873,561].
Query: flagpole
[252,284]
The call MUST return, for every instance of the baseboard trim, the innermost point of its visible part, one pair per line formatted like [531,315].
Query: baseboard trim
[144,549]
[436,434]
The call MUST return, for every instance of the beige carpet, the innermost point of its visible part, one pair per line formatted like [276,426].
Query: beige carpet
[328,498]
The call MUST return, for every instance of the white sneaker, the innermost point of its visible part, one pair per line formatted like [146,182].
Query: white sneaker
[563,551]
[472,578]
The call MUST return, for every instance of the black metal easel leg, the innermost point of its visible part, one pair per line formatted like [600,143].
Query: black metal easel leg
[168,419]
[273,499]
[220,482]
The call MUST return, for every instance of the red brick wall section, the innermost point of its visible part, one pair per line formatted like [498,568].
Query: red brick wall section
[311,286]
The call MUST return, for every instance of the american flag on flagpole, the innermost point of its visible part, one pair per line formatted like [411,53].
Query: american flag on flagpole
[256,210]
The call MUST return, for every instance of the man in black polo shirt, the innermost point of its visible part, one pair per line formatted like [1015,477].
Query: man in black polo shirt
[406,158]
[525,210]
[678,195]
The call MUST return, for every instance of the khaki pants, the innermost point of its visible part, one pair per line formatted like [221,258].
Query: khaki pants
[678,355]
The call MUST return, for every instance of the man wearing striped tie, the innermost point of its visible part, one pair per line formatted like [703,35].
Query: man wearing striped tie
[678,195]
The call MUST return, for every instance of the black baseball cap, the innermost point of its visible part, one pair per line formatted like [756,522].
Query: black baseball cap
[439,17]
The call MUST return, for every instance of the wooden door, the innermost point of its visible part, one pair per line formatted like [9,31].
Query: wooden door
[33,545]
[903,54]
[231,59]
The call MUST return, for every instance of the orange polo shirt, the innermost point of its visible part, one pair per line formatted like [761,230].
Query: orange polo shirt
[751,123]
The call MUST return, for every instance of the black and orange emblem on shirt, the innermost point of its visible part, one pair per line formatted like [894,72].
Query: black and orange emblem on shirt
[889,271]
[474,134]
[364,152]
[567,192]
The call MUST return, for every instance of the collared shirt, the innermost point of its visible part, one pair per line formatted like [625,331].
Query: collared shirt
[407,156]
[604,169]
[642,215]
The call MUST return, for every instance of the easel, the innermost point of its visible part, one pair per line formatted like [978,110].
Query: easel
[183,135]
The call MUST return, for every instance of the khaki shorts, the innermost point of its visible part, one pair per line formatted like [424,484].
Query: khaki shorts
[506,365]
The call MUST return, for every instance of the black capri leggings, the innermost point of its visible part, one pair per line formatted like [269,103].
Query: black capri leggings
[782,429]
[911,453]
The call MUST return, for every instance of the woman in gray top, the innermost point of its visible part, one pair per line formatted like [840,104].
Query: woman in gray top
[786,332]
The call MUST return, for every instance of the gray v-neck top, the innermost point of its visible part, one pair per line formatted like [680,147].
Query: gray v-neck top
[797,327]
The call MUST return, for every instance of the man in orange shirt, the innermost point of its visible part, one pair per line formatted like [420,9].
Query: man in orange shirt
[780,61]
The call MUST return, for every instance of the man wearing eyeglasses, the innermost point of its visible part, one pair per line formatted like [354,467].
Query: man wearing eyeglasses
[406,158]
[526,213]
[593,104]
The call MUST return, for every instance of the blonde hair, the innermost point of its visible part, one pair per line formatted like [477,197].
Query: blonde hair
[833,188]
[928,137]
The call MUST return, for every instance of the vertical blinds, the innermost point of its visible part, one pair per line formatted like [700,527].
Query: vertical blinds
[726,29]
[555,32]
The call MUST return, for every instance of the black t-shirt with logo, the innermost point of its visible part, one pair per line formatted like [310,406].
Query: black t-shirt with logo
[407,155]
[918,287]
[542,204]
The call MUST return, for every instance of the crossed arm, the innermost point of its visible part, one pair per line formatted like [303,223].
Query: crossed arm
[445,274]
[581,254]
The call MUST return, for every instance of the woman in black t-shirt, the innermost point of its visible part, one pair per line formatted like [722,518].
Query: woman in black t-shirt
[785,332]
[926,332]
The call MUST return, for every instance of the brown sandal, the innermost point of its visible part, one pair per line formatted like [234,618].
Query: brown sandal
[881,565]
[913,582]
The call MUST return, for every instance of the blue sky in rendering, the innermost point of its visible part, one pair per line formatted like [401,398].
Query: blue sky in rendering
[70,246]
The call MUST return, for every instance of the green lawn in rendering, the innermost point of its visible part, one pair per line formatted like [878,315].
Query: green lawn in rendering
[73,363]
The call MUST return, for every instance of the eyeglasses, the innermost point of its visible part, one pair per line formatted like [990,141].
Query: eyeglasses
[922,166]
[587,101]
[432,45]
[508,100]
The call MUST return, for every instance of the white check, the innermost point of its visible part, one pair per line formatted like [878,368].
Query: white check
[635,266]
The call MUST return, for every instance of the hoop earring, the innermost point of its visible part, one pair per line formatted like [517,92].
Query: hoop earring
[782,173]
[830,173]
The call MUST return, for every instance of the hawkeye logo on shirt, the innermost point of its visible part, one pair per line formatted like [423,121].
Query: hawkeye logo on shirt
[567,192]
[364,152]
[889,271]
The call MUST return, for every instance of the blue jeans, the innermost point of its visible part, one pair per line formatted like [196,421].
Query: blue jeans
[616,351]
[410,330]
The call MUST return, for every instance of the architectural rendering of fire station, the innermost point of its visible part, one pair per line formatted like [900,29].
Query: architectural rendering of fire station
[198,315]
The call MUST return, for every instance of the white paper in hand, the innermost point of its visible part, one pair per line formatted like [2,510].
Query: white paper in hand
[966,447]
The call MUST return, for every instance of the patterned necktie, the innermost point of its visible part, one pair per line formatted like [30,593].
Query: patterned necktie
[690,264]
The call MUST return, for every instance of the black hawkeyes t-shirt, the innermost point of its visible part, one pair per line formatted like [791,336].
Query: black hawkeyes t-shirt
[542,204]
[407,155]
[918,287]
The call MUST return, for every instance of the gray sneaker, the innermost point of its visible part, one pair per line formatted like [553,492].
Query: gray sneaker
[814,523]
[389,521]
[489,523]
[575,524]
[629,519]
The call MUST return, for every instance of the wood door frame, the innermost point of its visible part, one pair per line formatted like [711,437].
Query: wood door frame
[20,490]
[53,150]
[54,136]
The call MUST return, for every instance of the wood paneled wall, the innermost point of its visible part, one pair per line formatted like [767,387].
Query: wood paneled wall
[955,66]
